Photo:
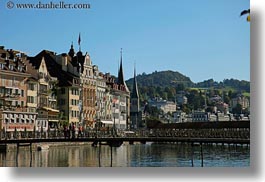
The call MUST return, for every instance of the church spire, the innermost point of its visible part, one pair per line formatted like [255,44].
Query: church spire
[79,53]
[71,51]
[79,42]
[135,93]
[121,80]
[120,74]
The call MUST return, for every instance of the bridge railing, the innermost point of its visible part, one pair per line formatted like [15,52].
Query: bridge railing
[239,133]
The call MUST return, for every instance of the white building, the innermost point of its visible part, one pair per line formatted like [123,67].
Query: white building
[179,117]
[164,105]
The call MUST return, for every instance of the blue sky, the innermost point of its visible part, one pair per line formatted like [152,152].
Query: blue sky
[201,39]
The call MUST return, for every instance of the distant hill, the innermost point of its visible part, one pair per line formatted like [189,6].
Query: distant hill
[161,79]
[238,85]
[166,84]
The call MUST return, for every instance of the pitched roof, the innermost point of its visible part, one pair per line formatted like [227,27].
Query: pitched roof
[54,69]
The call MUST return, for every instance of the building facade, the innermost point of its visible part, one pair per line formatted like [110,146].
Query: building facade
[241,100]
[13,92]
[164,105]
[52,90]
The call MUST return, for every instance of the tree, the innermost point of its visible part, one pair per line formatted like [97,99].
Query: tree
[152,111]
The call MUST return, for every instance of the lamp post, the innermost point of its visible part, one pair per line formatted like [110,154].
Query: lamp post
[114,123]
[81,120]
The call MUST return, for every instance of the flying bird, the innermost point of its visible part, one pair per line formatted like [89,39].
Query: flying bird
[245,12]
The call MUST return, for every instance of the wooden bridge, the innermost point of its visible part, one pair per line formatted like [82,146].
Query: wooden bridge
[206,132]
[128,139]
[192,133]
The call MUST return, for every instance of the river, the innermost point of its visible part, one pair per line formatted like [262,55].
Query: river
[137,155]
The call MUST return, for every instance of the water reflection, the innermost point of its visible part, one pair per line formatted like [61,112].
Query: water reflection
[137,155]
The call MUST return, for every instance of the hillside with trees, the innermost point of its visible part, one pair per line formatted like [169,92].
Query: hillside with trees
[168,85]
[162,79]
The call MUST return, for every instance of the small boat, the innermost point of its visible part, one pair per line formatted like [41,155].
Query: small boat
[42,147]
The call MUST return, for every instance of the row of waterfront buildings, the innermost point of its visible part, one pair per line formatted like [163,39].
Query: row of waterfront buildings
[53,90]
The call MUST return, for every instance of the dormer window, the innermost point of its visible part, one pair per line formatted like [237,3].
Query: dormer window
[20,68]
[11,67]
[2,66]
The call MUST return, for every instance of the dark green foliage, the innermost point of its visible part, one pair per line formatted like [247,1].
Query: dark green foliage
[161,79]
[152,111]
[243,86]
[168,84]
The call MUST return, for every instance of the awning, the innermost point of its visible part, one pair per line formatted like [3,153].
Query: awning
[54,120]
[106,122]
[50,109]
[129,132]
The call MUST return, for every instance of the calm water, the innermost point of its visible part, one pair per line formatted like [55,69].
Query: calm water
[137,155]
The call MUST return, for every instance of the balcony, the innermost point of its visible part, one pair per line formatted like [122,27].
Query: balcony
[43,92]
[52,99]
[10,97]
[41,105]
[53,118]
[42,116]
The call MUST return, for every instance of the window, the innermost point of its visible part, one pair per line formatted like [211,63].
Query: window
[2,66]
[43,88]
[11,67]
[62,90]
[31,86]
[22,93]
[62,101]
[30,99]
[74,91]
[2,90]
[43,101]
[20,68]
[32,109]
